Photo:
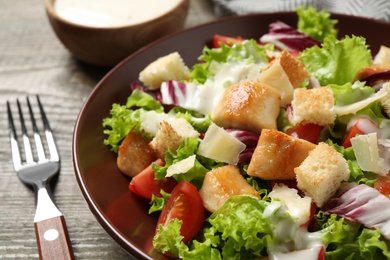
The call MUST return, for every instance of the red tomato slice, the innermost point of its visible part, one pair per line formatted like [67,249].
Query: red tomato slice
[186,205]
[313,210]
[358,126]
[309,132]
[383,185]
[351,133]
[218,39]
[145,185]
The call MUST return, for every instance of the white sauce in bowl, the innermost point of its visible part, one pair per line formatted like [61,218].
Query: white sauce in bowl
[111,13]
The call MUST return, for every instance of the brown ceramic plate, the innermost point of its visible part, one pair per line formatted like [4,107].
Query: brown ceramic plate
[122,214]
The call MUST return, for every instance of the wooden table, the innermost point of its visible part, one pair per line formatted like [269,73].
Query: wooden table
[33,61]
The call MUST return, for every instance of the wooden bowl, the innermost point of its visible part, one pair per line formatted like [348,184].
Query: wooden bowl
[107,46]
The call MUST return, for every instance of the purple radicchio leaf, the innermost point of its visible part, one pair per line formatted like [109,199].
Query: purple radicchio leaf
[364,205]
[250,139]
[286,37]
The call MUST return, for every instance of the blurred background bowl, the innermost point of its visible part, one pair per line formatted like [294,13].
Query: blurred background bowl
[106,46]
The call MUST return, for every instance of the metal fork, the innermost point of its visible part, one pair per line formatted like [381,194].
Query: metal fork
[50,227]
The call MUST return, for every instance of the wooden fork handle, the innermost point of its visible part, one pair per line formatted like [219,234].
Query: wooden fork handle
[53,239]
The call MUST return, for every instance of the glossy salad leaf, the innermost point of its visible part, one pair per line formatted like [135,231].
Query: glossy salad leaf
[246,52]
[196,174]
[250,236]
[123,118]
[317,24]
[338,61]
[344,239]
[356,173]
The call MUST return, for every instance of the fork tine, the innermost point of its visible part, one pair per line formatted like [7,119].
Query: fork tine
[37,137]
[26,139]
[17,161]
[48,133]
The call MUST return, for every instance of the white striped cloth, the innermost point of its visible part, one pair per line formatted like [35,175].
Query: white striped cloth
[376,9]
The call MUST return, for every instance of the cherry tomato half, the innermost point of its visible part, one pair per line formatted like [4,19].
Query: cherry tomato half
[145,185]
[352,133]
[218,39]
[308,132]
[186,205]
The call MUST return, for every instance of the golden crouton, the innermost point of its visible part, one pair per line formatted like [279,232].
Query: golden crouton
[248,106]
[313,106]
[170,135]
[277,154]
[284,74]
[321,173]
[169,67]
[134,154]
[222,183]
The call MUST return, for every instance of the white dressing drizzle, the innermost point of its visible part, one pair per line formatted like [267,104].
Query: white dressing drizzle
[112,13]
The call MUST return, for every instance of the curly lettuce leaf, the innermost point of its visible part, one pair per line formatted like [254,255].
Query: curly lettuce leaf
[199,122]
[247,52]
[356,173]
[196,174]
[338,61]
[249,237]
[168,239]
[316,24]
[141,99]
[123,118]
[158,203]
[344,239]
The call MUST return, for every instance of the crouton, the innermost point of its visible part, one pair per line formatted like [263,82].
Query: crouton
[284,74]
[222,183]
[169,67]
[385,101]
[277,154]
[313,106]
[170,135]
[321,173]
[248,106]
[134,154]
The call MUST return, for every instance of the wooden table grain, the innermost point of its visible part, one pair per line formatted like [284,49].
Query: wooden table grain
[33,61]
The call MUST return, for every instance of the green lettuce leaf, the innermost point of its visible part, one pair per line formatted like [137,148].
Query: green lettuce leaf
[196,174]
[344,239]
[316,24]
[123,118]
[338,61]
[240,229]
[248,52]
[199,122]
[356,173]
[168,239]
[158,203]
[350,93]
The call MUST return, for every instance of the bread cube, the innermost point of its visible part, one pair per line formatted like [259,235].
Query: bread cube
[321,173]
[170,135]
[284,74]
[248,106]
[222,183]
[169,67]
[134,154]
[277,154]
[313,106]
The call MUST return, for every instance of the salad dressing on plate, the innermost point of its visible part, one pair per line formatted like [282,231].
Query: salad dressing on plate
[111,13]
